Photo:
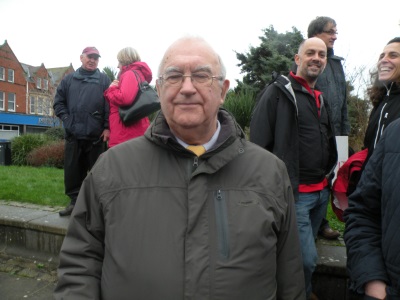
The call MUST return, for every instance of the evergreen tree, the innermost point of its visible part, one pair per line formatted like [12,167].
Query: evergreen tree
[275,53]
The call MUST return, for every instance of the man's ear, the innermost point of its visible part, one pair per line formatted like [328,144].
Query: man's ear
[297,59]
[158,88]
[224,90]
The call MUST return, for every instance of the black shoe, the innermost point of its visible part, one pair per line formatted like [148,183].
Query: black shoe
[67,211]
[329,234]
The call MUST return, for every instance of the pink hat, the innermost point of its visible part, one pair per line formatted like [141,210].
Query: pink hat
[90,50]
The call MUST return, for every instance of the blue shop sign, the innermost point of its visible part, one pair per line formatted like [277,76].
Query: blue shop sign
[33,120]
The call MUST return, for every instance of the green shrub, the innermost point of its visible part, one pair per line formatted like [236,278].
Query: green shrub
[241,106]
[55,133]
[48,155]
[23,144]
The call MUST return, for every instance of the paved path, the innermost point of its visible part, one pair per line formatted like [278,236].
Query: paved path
[14,287]
[26,279]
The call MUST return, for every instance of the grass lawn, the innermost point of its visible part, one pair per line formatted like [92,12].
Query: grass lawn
[334,222]
[43,186]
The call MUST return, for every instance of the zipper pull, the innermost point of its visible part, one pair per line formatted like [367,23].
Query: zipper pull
[196,162]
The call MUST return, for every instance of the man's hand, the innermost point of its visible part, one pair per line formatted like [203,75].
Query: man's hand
[376,289]
[105,135]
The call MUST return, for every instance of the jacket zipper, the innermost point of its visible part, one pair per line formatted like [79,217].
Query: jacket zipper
[195,162]
[380,130]
[222,225]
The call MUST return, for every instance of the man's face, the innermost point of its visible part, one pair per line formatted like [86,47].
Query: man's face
[329,35]
[191,104]
[311,59]
[389,63]
[89,62]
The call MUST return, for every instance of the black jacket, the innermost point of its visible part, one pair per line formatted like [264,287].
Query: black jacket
[274,126]
[387,111]
[80,104]
[332,83]
[373,218]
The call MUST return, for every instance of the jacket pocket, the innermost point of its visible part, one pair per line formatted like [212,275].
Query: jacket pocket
[94,125]
[221,216]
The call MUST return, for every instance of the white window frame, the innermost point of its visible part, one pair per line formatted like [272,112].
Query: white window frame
[11,102]
[2,73]
[46,107]
[45,84]
[11,75]
[32,105]
[2,97]
[40,106]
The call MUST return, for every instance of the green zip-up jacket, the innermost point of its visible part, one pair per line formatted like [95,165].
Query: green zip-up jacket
[153,221]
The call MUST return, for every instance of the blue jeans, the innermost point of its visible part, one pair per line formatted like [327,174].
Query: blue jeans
[310,210]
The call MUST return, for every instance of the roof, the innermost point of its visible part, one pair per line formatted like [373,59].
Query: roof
[57,74]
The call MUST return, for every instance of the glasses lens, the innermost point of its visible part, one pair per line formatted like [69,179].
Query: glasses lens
[202,78]
[331,32]
[173,78]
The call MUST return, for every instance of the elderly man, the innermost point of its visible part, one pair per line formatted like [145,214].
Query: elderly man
[158,219]
[80,104]
[292,121]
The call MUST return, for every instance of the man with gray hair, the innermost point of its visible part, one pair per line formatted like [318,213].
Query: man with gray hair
[190,210]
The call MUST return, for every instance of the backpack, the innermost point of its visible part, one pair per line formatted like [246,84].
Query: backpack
[346,181]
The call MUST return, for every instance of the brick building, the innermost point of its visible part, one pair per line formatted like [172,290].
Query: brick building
[26,95]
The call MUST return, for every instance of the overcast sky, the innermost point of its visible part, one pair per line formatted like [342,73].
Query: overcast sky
[55,32]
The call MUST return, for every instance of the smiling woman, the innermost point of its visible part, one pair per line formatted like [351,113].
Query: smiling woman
[384,95]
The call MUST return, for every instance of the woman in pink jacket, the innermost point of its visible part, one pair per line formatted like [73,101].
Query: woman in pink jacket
[122,92]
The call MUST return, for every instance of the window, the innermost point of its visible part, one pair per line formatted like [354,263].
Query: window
[40,106]
[39,83]
[10,75]
[1,100]
[33,105]
[45,84]
[11,102]
[2,73]
[46,107]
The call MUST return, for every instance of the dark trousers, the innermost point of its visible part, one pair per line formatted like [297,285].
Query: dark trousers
[79,158]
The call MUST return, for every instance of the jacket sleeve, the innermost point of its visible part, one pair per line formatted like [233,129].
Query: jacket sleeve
[290,276]
[363,233]
[262,124]
[345,124]
[106,85]
[60,100]
[82,252]
[125,92]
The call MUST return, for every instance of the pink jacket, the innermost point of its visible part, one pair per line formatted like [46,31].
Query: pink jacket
[123,95]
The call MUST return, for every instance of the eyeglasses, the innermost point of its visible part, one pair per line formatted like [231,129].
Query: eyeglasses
[198,79]
[330,32]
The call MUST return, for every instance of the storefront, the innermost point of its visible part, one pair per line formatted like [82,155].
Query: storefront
[13,124]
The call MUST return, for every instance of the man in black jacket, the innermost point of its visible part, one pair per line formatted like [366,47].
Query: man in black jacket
[332,84]
[373,222]
[80,104]
[291,120]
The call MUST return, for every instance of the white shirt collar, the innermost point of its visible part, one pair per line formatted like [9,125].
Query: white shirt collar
[210,143]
